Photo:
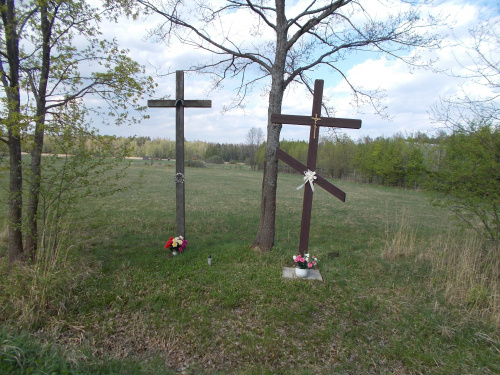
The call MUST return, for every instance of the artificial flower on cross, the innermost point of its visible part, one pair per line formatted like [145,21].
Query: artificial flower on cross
[309,176]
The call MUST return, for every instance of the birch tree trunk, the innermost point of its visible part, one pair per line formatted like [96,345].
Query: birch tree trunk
[15,197]
[10,82]
[36,153]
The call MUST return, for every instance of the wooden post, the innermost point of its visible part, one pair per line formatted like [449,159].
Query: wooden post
[180,188]
[315,121]
[179,103]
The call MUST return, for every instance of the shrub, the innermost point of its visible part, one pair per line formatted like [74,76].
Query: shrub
[467,180]
[195,164]
[215,159]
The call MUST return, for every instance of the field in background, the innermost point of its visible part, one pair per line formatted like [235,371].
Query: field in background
[116,304]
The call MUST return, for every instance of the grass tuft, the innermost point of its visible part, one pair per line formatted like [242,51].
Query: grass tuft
[34,294]
[401,243]
[469,273]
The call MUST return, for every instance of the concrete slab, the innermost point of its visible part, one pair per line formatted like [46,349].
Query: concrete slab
[289,273]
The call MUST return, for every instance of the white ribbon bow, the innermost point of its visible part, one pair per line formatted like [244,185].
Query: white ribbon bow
[309,176]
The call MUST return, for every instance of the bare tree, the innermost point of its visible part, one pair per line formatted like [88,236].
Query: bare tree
[480,66]
[255,137]
[283,45]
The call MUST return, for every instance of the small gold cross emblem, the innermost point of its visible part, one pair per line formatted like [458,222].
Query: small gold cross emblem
[316,119]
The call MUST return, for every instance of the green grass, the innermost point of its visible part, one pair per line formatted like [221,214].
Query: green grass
[134,310]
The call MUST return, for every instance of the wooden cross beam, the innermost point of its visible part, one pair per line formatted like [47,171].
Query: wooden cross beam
[179,103]
[314,121]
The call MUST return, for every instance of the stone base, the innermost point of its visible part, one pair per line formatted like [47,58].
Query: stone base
[289,273]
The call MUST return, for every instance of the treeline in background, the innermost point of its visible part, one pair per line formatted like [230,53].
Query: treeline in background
[393,161]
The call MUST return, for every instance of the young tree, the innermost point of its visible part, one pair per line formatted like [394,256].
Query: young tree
[62,59]
[336,155]
[83,164]
[467,179]
[255,136]
[414,162]
[12,121]
[286,44]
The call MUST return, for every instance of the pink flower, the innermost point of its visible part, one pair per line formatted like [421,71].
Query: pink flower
[302,260]
[310,265]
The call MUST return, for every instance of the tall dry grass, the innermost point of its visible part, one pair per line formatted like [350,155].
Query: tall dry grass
[465,267]
[468,268]
[401,242]
[37,292]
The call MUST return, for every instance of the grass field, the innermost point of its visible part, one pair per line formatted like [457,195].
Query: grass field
[115,303]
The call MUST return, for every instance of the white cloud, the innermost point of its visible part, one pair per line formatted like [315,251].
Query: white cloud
[410,93]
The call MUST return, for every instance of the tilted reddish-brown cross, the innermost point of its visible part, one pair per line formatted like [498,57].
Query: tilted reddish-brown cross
[314,122]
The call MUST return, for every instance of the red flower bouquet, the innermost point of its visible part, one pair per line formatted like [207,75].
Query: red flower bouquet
[178,244]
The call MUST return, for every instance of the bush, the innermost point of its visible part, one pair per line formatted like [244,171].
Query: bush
[195,164]
[215,159]
[232,161]
[466,180]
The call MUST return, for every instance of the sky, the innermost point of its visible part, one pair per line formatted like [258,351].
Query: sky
[409,93]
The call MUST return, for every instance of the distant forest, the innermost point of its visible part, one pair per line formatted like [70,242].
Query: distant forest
[395,161]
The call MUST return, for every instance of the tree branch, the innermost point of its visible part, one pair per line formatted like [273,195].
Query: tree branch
[177,21]
[261,15]
[312,22]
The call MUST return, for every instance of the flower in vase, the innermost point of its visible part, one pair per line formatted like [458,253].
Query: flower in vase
[305,262]
[178,244]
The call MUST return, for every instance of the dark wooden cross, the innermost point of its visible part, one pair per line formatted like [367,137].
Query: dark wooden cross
[314,121]
[179,103]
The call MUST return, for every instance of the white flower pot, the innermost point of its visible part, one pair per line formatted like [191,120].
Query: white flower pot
[301,272]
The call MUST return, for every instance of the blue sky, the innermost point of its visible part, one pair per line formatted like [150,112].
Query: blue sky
[410,93]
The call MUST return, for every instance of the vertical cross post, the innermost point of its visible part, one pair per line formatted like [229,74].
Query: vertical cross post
[314,122]
[311,165]
[179,103]
[180,188]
